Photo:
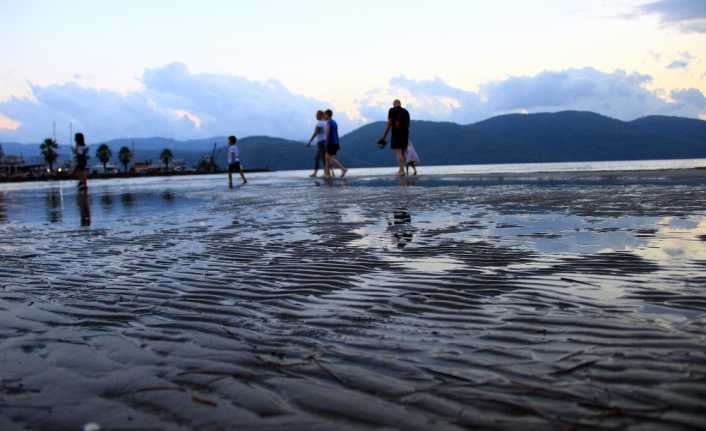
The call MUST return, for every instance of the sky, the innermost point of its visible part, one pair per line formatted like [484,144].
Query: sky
[185,69]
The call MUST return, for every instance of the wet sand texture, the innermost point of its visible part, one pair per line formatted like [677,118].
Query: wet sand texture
[523,307]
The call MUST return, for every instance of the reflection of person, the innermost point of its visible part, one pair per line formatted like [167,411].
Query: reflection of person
[106,200]
[333,145]
[53,201]
[84,209]
[234,161]
[411,158]
[128,199]
[398,122]
[401,228]
[320,138]
[81,156]
[2,207]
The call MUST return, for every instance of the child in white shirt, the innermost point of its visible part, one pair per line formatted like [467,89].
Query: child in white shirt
[411,157]
[234,161]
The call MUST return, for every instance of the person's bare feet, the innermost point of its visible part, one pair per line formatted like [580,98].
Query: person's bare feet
[400,173]
[344,172]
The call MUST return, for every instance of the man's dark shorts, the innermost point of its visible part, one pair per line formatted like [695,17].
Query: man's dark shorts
[332,149]
[234,167]
[400,140]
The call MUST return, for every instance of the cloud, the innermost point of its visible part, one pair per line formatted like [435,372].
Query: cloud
[687,15]
[682,62]
[431,99]
[173,103]
[618,94]
[178,103]
[691,98]
[678,64]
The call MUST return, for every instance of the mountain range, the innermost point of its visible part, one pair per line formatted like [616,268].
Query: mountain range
[514,138]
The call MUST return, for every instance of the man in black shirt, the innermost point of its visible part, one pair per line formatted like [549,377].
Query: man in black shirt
[398,122]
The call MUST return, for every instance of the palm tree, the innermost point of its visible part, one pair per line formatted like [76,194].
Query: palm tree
[125,155]
[49,149]
[103,154]
[166,157]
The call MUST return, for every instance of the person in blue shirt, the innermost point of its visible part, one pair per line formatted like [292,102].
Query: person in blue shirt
[333,145]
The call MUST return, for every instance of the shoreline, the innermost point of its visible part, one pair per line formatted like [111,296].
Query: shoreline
[124,175]
[666,175]
[661,170]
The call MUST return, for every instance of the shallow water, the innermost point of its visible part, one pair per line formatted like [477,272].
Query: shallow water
[434,303]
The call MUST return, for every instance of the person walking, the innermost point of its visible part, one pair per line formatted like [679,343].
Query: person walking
[398,121]
[411,158]
[81,157]
[234,161]
[319,136]
[333,145]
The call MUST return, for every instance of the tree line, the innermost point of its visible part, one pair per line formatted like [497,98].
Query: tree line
[50,152]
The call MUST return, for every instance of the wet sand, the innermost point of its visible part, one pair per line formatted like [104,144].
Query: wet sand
[440,303]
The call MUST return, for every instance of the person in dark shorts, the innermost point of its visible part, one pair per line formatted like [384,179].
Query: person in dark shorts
[398,122]
[234,161]
[333,145]
[81,158]
[320,138]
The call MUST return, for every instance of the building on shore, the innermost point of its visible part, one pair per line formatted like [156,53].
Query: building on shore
[15,167]
[144,167]
[110,169]
[179,166]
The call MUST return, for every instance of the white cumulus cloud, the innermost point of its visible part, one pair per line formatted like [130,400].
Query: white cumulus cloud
[617,94]
[173,103]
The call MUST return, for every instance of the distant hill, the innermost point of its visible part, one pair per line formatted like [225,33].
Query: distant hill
[558,137]
[516,138]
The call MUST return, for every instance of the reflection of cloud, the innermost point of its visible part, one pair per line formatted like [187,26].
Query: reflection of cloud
[618,94]
[674,242]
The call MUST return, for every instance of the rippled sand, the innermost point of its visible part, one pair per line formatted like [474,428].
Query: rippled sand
[362,304]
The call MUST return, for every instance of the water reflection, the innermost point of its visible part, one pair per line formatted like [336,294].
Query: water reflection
[106,200]
[2,208]
[677,240]
[128,199]
[53,205]
[84,208]
[407,181]
[400,227]
[58,205]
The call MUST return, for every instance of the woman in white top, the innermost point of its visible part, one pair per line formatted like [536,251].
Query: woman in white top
[320,137]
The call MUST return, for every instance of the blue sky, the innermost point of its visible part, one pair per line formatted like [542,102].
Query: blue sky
[189,69]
